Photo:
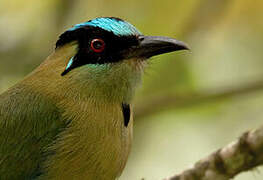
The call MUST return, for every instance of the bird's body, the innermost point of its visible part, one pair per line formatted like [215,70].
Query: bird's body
[80,145]
[69,119]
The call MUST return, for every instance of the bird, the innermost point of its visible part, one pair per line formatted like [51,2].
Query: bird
[72,117]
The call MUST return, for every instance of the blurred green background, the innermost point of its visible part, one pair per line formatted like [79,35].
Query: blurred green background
[191,103]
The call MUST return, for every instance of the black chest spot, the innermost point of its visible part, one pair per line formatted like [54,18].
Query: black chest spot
[126,113]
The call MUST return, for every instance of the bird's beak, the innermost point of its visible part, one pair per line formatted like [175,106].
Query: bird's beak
[154,45]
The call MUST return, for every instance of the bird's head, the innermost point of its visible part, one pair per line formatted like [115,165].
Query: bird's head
[107,56]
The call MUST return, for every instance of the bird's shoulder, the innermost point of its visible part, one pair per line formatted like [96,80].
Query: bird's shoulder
[29,123]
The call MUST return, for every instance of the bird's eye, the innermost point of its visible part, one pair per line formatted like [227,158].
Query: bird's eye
[97,45]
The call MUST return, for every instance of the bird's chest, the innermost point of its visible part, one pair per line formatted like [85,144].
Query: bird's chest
[95,145]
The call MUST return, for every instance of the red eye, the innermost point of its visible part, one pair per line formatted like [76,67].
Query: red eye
[97,45]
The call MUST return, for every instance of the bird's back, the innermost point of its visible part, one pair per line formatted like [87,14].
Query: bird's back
[29,122]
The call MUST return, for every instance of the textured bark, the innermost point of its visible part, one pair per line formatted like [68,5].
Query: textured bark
[242,155]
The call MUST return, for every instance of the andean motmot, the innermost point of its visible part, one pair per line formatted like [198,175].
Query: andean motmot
[72,117]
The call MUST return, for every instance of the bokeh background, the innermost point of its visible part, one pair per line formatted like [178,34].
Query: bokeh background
[191,103]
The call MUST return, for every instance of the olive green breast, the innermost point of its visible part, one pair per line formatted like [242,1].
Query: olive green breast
[95,145]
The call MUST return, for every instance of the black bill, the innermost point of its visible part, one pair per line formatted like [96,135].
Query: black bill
[154,45]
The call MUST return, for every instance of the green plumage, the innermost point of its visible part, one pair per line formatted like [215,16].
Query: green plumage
[70,127]
[77,125]
[29,122]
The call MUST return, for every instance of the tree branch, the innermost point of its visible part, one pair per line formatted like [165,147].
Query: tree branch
[149,107]
[242,155]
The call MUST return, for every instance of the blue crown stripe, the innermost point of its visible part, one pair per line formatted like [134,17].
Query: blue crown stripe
[118,27]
